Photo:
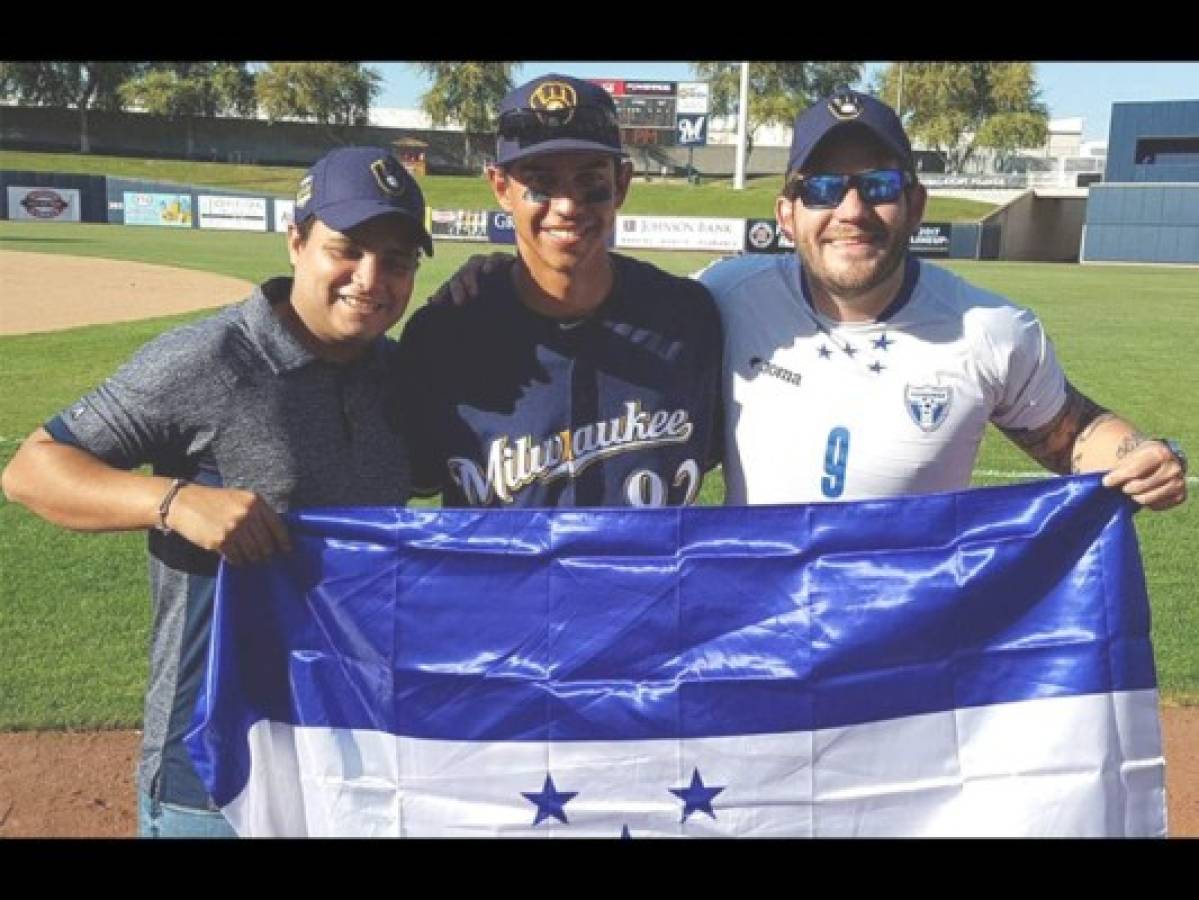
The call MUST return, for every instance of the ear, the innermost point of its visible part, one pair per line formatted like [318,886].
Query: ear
[499,181]
[917,199]
[624,178]
[294,244]
[784,211]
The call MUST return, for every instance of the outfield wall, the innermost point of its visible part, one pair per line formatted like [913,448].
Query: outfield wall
[213,139]
[1147,223]
[51,197]
[295,143]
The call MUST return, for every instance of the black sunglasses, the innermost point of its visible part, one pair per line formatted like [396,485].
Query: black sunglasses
[827,191]
[533,126]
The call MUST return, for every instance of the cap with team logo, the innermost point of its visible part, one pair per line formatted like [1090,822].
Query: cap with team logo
[556,114]
[352,185]
[845,108]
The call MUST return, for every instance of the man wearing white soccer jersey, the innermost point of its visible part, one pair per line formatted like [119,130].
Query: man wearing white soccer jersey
[854,371]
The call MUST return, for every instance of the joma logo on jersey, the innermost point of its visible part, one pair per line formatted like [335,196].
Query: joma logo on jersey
[928,405]
[512,466]
[769,368]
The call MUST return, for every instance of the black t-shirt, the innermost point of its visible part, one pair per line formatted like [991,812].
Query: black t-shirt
[505,406]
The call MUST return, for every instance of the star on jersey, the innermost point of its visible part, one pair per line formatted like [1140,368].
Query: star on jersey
[550,801]
[696,797]
[882,343]
[825,352]
[876,367]
[849,350]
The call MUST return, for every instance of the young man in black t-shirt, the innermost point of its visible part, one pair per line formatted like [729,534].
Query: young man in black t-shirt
[576,377]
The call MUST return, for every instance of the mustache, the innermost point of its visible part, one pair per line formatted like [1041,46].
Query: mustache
[855,234]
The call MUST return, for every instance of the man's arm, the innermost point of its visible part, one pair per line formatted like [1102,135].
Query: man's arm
[72,488]
[464,285]
[1085,437]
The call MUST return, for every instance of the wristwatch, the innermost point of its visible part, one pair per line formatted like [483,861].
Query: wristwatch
[1176,448]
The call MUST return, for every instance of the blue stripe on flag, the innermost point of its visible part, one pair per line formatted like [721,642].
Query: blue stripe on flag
[588,625]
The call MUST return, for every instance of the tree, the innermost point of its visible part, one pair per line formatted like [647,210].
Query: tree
[330,93]
[187,90]
[69,85]
[778,91]
[468,93]
[955,108]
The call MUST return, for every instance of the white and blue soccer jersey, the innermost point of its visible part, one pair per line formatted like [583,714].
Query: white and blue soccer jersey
[819,410]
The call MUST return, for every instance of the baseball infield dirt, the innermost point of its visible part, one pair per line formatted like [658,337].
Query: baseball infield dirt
[46,292]
[81,784]
[55,784]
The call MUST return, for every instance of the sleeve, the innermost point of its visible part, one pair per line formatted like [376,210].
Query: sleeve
[412,397]
[144,412]
[712,375]
[1032,386]
[698,274]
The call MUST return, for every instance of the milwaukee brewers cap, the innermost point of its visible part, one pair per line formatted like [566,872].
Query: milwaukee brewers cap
[555,114]
[842,109]
[352,185]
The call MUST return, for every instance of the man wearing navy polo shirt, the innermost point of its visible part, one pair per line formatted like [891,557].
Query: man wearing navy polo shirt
[577,377]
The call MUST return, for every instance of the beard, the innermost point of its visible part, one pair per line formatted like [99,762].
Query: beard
[852,278]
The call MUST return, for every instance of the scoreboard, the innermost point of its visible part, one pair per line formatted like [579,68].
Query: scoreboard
[649,111]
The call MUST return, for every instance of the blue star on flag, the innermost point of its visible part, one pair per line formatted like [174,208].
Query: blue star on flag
[849,351]
[882,343]
[876,367]
[550,801]
[825,352]
[697,797]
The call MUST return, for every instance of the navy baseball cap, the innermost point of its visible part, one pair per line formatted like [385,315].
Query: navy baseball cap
[844,108]
[352,185]
[555,114]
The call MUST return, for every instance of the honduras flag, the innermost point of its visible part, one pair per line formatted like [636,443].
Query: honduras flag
[975,663]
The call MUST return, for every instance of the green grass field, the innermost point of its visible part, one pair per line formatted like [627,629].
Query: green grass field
[74,615]
[712,198]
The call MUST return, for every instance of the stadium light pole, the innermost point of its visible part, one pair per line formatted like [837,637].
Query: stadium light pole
[742,119]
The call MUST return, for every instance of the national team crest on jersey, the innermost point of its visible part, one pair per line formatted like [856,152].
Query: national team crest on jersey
[928,405]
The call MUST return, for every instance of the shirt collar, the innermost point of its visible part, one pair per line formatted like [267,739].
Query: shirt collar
[911,274]
[282,349]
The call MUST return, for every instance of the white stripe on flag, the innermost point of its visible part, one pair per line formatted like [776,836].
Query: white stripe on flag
[1069,766]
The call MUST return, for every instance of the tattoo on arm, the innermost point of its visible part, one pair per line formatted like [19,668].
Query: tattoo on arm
[1130,443]
[1053,444]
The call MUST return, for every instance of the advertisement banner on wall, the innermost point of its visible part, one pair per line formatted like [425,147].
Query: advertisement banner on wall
[932,239]
[43,204]
[285,214]
[650,88]
[613,86]
[500,229]
[171,210]
[680,233]
[233,213]
[765,236]
[692,130]
[458,224]
[692,98]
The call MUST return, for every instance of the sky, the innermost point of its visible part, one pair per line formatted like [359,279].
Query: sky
[1069,89]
